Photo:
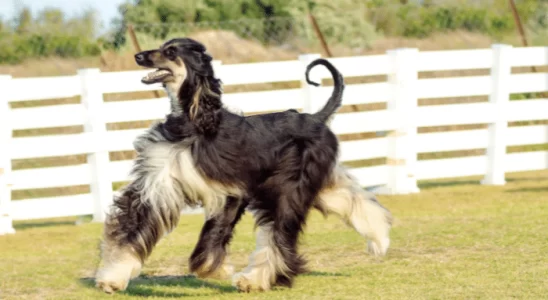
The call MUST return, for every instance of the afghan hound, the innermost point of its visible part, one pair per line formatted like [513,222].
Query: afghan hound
[277,166]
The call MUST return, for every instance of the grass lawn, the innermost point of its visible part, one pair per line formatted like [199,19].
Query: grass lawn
[454,240]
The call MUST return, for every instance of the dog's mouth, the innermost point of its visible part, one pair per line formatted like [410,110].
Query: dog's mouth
[160,75]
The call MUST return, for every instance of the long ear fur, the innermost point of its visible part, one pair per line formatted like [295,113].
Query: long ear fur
[201,93]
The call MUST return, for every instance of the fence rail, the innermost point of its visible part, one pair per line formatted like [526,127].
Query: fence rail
[401,120]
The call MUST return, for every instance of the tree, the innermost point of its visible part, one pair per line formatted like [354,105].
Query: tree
[85,25]
[23,21]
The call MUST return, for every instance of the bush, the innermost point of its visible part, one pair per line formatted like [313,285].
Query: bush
[421,21]
[48,34]
[17,48]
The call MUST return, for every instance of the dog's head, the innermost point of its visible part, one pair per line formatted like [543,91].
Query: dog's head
[184,68]
[174,60]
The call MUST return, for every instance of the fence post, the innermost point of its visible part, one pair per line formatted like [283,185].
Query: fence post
[6,224]
[101,184]
[312,103]
[402,155]
[500,96]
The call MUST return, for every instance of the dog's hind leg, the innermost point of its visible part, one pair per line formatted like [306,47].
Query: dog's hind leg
[275,260]
[358,208]
[280,207]
[209,256]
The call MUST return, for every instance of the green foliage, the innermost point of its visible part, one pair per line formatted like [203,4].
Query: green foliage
[269,21]
[493,18]
[17,48]
[48,34]
[420,21]
[155,17]
[343,22]
[350,23]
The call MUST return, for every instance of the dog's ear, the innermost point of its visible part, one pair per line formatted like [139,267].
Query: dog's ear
[205,110]
[201,90]
[199,62]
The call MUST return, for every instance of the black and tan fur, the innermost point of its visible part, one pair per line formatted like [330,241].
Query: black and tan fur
[278,166]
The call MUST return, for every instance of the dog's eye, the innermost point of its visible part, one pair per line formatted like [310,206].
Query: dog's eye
[169,52]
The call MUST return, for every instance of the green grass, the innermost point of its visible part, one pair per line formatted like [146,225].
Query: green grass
[454,240]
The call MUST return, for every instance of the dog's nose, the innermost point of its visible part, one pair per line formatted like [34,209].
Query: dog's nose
[139,57]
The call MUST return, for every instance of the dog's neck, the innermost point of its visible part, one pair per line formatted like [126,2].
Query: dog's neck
[172,90]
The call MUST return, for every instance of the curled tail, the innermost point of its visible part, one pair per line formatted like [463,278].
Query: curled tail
[335,100]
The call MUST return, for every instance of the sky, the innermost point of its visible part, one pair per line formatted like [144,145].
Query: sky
[106,9]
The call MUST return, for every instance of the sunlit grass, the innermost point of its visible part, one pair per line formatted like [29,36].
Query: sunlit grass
[454,240]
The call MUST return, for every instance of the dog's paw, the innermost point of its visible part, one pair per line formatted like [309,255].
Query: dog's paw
[224,272]
[246,285]
[111,287]
[378,248]
[111,282]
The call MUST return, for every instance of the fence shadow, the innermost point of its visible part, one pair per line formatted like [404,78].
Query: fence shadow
[324,274]
[529,190]
[29,225]
[524,179]
[436,184]
[476,181]
[142,286]
[52,222]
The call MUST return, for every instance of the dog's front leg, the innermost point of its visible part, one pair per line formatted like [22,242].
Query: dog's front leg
[209,256]
[122,249]
[145,211]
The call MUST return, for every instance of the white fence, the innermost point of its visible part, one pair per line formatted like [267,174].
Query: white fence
[401,119]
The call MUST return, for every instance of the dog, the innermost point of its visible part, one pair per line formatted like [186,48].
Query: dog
[278,166]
